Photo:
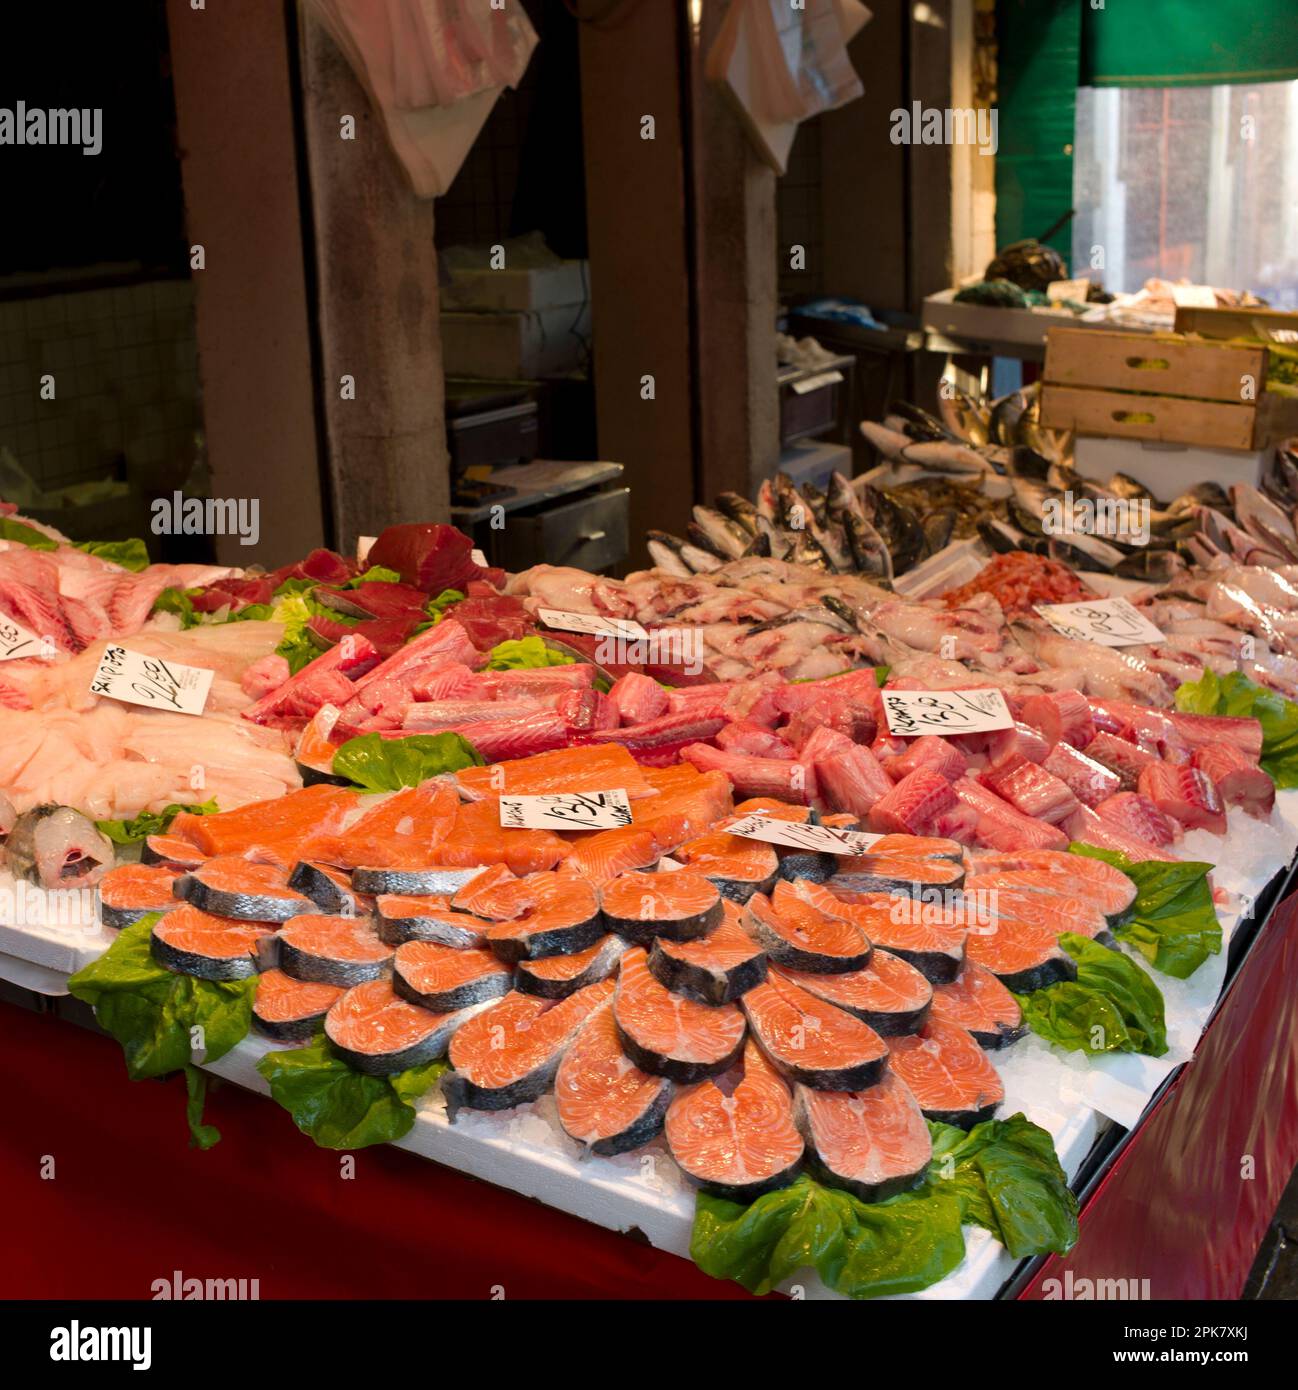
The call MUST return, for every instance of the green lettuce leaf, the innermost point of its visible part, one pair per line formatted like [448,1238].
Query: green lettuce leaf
[131,832]
[379,764]
[179,602]
[1003,1175]
[378,572]
[1173,923]
[1240,698]
[131,555]
[524,654]
[1112,1006]
[252,613]
[339,1107]
[20,532]
[201,1136]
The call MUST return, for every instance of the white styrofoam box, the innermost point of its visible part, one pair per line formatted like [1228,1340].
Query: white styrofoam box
[509,346]
[542,287]
[65,948]
[1167,470]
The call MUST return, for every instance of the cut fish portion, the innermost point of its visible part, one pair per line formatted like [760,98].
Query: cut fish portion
[442,978]
[680,906]
[796,932]
[171,851]
[427,918]
[913,805]
[888,994]
[812,1041]
[1090,782]
[509,1054]
[999,895]
[478,839]
[1031,789]
[1023,955]
[332,950]
[1137,815]
[669,1035]
[896,873]
[556,977]
[606,1103]
[191,942]
[914,847]
[607,853]
[231,886]
[999,826]
[738,867]
[1239,780]
[561,917]
[593,769]
[329,888]
[1123,758]
[1185,794]
[926,935]
[873,1143]
[283,827]
[482,892]
[411,882]
[716,969]
[977,1001]
[739,1144]
[1107,887]
[401,831]
[131,891]
[290,1010]
[379,1033]
[948,1074]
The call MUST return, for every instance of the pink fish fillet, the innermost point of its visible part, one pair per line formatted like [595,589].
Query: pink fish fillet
[1090,782]
[746,736]
[1137,815]
[913,805]
[1088,828]
[1000,826]
[929,751]
[1031,789]
[1128,760]
[1186,794]
[1062,716]
[638,698]
[448,641]
[499,741]
[1239,780]
[1198,730]
[328,680]
[853,781]
[751,777]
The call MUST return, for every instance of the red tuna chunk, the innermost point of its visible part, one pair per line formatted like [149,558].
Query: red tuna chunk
[1000,826]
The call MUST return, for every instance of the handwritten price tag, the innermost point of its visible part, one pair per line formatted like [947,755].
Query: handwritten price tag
[137,679]
[566,811]
[593,624]
[16,642]
[1109,622]
[912,712]
[823,839]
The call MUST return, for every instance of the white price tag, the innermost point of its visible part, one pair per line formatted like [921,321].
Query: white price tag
[593,624]
[814,383]
[1109,622]
[912,712]
[566,811]
[1076,290]
[137,679]
[1194,296]
[824,839]
[363,546]
[479,559]
[17,642]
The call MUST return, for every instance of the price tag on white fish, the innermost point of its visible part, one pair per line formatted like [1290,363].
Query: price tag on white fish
[823,839]
[137,679]
[1108,622]
[592,623]
[16,642]
[913,712]
[609,810]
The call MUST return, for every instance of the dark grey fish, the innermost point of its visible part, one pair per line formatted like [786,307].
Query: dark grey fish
[1005,416]
[700,539]
[816,500]
[843,497]
[725,537]
[666,551]
[939,527]
[1126,487]
[919,423]
[1154,566]
[869,549]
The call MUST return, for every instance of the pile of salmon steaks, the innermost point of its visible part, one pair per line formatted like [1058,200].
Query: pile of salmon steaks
[765,1007]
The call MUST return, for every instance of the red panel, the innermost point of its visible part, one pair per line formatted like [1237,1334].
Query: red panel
[130,1202]
[1178,1208]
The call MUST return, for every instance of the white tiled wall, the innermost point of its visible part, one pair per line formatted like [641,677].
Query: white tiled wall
[125,373]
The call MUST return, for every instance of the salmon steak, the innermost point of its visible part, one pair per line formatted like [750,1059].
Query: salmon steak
[563,918]
[131,891]
[290,1010]
[912,847]
[230,886]
[556,977]
[995,895]
[399,832]
[282,828]
[1023,955]
[796,933]
[172,851]
[1102,884]
[888,994]
[606,1103]
[329,888]
[948,1074]
[978,1002]
[811,1041]
[442,978]
[478,840]
[332,950]
[481,894]
[604,854]
[922,934]
[606,767]
[191,942]
[684,807]
[894,873]
[873,1143]
[376,1031]
[509,1054]
[678,905]
[431,881]
[403,918]
[715,969]
[739,867]
[738,1142]
[669,1035]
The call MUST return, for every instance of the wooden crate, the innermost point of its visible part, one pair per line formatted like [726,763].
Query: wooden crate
[1163,387]
[1232,323]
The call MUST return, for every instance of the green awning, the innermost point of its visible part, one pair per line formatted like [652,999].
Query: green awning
[1188,43]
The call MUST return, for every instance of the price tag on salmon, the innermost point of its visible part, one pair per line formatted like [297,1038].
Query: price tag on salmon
[137,679]
[592,623]
[823,839]
[912,712]
[1108,622]
[16,642]
[566,811]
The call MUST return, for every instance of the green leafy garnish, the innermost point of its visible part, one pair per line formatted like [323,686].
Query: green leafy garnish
[378,764]
[1238,697]
[252,613]
[131,832]
[179,602]
[131,555]
[378,572]
[1112,1006]
[339,1107]
[1003,1176]
[19,531]
[526,653]
[201,1136]
[1173,923]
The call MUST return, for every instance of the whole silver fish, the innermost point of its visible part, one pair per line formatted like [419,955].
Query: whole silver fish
[57,847]
[724,536]
[739,510]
